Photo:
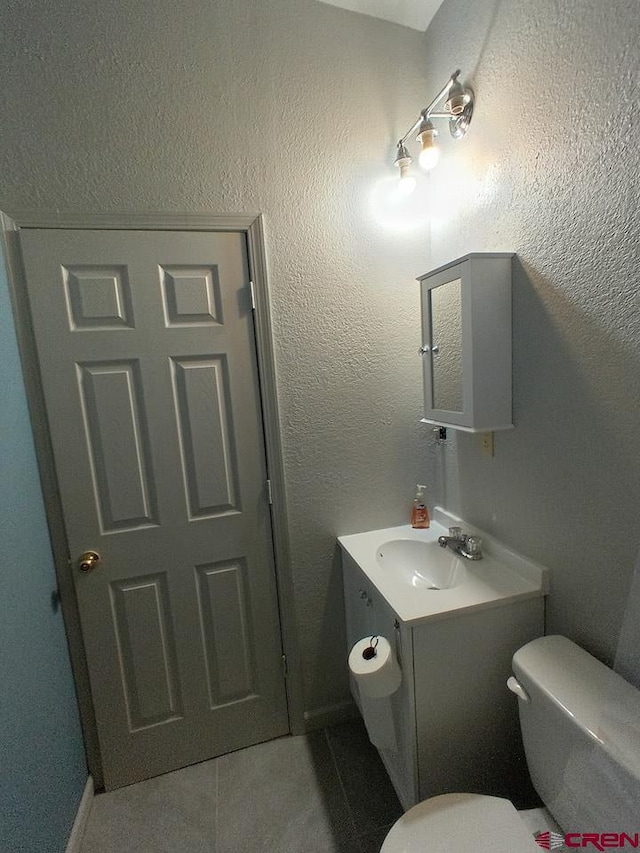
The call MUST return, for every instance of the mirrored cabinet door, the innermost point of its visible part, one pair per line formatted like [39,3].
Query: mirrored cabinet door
[466,343]
[446,347]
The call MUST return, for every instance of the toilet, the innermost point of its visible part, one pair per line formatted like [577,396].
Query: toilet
[580,726]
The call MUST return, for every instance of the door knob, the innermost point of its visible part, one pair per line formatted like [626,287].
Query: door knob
[88,561]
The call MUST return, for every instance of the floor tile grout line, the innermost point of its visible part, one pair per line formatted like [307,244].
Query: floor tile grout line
[342,788]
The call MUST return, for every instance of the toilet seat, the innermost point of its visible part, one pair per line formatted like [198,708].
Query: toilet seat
[457,823]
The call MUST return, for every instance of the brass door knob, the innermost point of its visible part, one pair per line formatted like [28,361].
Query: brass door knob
[88,561]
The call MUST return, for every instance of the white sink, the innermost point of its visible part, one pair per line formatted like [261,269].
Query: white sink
[422,581]
[422,564]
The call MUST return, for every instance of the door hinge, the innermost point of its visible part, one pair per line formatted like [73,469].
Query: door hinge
[285,669]
[269,492]
[252,289]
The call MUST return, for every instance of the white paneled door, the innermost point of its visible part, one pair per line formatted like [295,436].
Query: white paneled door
[147,354]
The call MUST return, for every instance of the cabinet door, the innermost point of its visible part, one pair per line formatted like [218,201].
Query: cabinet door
[359,603]
[446,332]
[466,343]
[402,762]
[367,613]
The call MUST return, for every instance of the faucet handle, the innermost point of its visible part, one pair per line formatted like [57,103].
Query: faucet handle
[473,545]
[456,533]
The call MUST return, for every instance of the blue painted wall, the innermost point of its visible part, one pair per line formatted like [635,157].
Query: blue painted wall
[42,762]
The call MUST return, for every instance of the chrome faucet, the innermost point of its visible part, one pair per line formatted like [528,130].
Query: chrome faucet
[469,547]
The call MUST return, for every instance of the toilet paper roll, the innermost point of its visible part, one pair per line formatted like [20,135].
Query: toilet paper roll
[380,722]
[379,675]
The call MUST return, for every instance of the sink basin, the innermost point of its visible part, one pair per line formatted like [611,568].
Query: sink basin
[424,565]
[422,581]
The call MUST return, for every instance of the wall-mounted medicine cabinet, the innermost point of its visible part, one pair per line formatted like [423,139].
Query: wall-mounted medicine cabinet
[466,343]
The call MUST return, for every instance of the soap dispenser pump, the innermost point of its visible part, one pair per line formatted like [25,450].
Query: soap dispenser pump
[420,513]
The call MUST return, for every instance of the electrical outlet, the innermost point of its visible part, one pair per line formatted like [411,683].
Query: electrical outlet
[486,442]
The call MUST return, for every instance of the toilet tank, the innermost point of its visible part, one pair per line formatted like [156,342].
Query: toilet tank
[581,734]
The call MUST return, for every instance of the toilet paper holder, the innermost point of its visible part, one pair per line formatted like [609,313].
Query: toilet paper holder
[370,651]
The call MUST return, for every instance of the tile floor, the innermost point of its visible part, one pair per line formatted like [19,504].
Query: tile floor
[326,792]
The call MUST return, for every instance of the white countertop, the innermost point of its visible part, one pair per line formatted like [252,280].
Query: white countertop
[499,578]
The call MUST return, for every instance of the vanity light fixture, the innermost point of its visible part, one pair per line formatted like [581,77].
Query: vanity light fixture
[458,110]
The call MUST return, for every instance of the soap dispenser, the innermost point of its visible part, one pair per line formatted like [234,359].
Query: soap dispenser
[420,512]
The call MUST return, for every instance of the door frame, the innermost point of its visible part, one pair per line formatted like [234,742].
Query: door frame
[252,226]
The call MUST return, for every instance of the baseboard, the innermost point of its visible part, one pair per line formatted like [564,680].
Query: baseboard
[82,816]
[330,715]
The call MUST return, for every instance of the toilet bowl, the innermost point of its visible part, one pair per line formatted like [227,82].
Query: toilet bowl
[580,726]
[452,823]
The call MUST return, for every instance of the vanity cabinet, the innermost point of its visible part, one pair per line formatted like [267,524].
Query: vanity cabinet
[455,723]
[466,343]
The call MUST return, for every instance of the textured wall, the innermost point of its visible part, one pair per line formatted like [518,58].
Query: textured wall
[288,107]
[550,170]
[42,764]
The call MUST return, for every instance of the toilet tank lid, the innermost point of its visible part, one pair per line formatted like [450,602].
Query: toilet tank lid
[601,702]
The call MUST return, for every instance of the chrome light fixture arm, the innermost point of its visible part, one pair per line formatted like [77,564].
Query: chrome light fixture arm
[428,112]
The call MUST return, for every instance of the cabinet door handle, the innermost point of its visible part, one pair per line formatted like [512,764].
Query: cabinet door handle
[424,349]
[435,349]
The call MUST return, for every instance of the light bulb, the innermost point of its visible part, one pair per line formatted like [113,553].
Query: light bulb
[407,184]
[429,157]
[427,139]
